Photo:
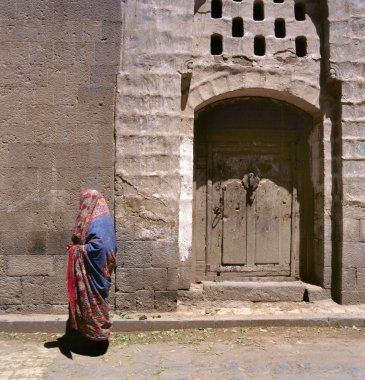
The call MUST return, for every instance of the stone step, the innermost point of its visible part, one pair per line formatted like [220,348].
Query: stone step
[253,291]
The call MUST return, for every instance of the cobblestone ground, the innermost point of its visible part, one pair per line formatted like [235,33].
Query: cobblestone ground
[250,353]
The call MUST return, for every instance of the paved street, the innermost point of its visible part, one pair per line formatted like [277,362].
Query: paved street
[240,353]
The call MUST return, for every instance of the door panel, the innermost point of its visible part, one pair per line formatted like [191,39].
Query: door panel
[272,224]
[234,250]
[250,230]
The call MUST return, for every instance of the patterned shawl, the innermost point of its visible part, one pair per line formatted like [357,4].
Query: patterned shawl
[91,262]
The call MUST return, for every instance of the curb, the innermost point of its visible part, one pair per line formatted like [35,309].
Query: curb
[56,324]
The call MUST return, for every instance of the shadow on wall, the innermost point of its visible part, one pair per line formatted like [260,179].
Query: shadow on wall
[198,4]
[330,103]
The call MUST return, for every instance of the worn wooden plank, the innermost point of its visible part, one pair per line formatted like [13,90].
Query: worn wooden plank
[234,224]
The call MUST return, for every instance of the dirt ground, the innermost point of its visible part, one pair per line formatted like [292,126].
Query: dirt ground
[236,353]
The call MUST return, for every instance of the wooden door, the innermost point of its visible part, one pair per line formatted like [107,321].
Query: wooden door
[251,206]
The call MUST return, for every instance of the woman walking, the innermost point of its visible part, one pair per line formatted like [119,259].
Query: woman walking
[91,262]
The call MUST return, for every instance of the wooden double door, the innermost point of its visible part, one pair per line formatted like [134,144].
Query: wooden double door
[246,199]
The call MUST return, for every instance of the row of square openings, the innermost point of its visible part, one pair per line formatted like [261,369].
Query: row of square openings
[238,28]
[259,10]
[259,45]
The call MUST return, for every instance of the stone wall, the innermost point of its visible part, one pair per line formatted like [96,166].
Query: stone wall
[149,136]
[59,61]
[347,52]
[74,73]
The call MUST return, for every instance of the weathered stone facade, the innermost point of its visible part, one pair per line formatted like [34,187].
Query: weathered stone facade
[106,95]
[59,61]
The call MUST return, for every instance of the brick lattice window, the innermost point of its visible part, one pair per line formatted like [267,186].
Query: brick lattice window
[299,11]
[216,44]
[301,46]
[259,45]
[216,9]
[258,10]
[280,30]
[237,27]
[297,38]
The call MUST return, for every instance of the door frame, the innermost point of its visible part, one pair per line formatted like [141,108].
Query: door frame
[203,158]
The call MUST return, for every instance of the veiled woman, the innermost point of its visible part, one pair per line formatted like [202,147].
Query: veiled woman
[91,263]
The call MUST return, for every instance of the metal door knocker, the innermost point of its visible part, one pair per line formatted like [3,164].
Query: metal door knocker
[250,182]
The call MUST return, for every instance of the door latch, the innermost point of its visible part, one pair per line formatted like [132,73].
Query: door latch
[218,209]
[218,213]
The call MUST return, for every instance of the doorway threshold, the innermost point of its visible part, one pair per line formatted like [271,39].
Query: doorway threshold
[254,278]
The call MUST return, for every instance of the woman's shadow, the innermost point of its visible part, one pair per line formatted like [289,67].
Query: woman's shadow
[73,342]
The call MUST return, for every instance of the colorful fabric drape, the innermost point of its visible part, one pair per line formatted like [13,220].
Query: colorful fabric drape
[91,262]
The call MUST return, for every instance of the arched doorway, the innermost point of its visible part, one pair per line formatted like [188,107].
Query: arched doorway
[253,200]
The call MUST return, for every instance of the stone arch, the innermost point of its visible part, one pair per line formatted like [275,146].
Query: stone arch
[227,85]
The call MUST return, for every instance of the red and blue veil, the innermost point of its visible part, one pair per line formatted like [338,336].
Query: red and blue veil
[91,263]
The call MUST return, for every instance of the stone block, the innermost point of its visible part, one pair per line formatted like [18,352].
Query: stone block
[31,155]
[360,279]
[74,11]
[351,111]
[33,289]
[172,279]
[327,277]
[125,301]
[184,277]
[102,155]
[36,242]
[103,74]
[55,291]
[145,300]
[129,280]
[351,228]
[353,91]
[338,10]
[60,265]
[11,244]
[316,293]
[165,254]
[109,10]
[340,31]
[142,228]
[155,278]
[30,265]
[166,301]
[353,255]
[254,291]
[357,8]
[134,254]
[352,211]
[362,230]
[56,241]
[352,297]
[4,155]
[107,53]
[349,279]
[25,179]
[10,291]
[3,265]
[68,156]
[36,309]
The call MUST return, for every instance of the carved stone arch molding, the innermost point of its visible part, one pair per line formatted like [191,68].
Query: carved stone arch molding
[225,85]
